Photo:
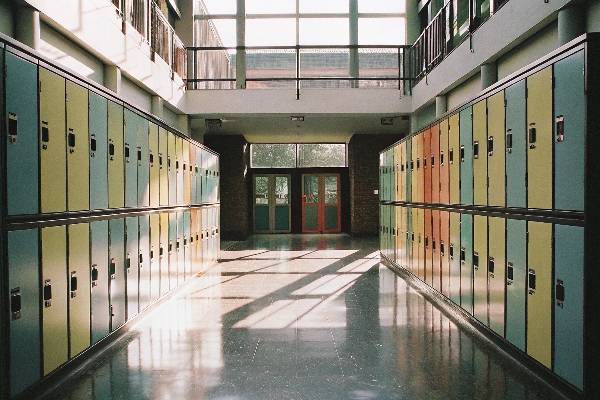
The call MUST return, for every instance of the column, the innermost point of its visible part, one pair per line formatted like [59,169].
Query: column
[441,105]
[571,23]
[489,75]
[112,78]
[240,67]
[27,27]
[353,40]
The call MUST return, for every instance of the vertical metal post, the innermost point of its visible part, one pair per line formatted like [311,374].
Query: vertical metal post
[240,74]
[297,72]
[353,41]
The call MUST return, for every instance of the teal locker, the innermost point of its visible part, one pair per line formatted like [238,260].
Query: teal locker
[132,266]
[205,242]
[516,145]
[569,132]
[22,153]
[162,165]
[131,159]
[24,292]
[154,257]
[465,156]
[179,250]
[98,152]
[466,262]
[217,195]
[143,161]
[196,172]
[454,255]
[164,254]
[144,261]
[186,244]
[100,280]
[568,303]
[173,266]
[116,155]
[216,236]
[516,281]
[116,271]
[172,172]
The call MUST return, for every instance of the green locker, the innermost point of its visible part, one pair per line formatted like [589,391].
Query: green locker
[153,159]
[179,249]
[131,158]
[99,276]
[163,170]
[143,162]
[480,273]
[78,156]
[163,254]
[569,132]
[568,303]
[516,281]
[465,156]
[444,164]
[454,158]
[24,292]
[22,188]
[480,136]
[53,156]
[154,257]
[466,262]
[79,288]
[172,171]
[116,271]
[516,145]
[382,228]
[187,173]
[539,139]
[173,265]
[144,261]
[116,156]
[98,151]
[179,168]
[55,341]
[497,273]
[539,289]
[132,266]
[495,150]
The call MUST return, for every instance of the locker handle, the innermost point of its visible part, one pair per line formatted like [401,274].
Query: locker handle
[451,155]
[161,251]
[476,261]
[160,161]
[412,165]
[128,262]
[463,256]
[47,293]
[462,153]
[93,143]
[560,293]
[433,244]
[177,244]
[139,155]
[532,135]
[491,266]
[73,284]
[425,162]
[560,128]
[475,149]
[432,161]
[71,140]
[15,303]
[490,146]
[170,246]
[402,167]
[112,268]
[451,251]
[509,273]
[509,141]
[45,134]
[531,281]
[111,149]
[94,275]
[196,170]
[185,240]
[13,127]
[126,152]
[141,259]
[169,162]
[418,164]
[442,248]
[441,158]
[177,165]
[151,159]
[427,241]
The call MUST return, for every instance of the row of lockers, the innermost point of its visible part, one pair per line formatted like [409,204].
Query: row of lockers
[522,146]
[522,279]
[70,286]
[69,148]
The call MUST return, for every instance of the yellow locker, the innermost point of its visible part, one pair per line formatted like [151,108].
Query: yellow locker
[402,173]
[154,165]
[480,153]
[79,288]
[78,161]
[116,157]
[53,158]
[421,168]
[496,151]
[414,182]
[454,158]
[480,274]
[163,171]
[399,235]
[187,174]
[397,174]
[154,257]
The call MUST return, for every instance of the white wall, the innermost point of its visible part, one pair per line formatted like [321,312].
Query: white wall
[465,92]
[426,116]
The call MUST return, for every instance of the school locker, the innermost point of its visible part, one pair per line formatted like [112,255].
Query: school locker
[409,240]
[24,292]
[193,174]
[163,170]
[116,272]
[466,262]
[465,156]
[198,240]
[144,261]
[179,249]
[179,168]
[186,244]
[516,281]
[480,269]
[187,173]
[22,188]
[381,180]
[454,158]
[199,175]
[192,241]
[539,139]
[171,167]
[444,253]
[420,168]
[539,289]
[99,277]
[569,131]
[401,171]
[78,159]
[434,163]
[52,139]
[390,175]
[163,254]
[480,153]
[98,129]
[143,161]
[568,303]
[132,266]
[173,261]
[154,257]
[206,254]
[131,159]
[444,170]
[414,181]
[435,251]
[396,168]
[407,169]
[516,145]
[428,245]
[116,156]
[426,165]
[420,239]
[495,150]
[496,269]
[79,288]
[217,236]
[153,160]
[216,186]
[399,235]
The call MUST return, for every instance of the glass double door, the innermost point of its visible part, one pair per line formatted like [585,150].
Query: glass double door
[321,209]
[272,203]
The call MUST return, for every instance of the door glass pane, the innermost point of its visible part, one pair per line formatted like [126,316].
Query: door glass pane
[261,189]
[311,189]
[281,190]
[331,189]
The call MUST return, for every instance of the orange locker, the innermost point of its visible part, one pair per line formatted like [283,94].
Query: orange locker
[434,163]
[444,169]
[435,251]
[428,230]
[427,165]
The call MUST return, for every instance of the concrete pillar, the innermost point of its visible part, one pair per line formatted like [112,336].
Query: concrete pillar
[183,124]
[112,78]
[441,105]
[489,75]
[240,63]
[414,123]
[571,23]
[353,40]
[157,106]
[27,27]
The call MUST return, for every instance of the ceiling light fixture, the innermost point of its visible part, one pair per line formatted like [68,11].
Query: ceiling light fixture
[387,120]
[212,123]
[297,117]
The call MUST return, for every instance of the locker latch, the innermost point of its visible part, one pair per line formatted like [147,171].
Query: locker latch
[93,145]
[177,165]
[476,149]
[139,156]
[451,251]
[128,262]
[442,248]
[47,293]
[71,141]
[45,135]
[532,135]
[94,275]
[560,128]
[160,251]
[433,244]
[169,163]
[126,152]
[177,244]
[111,149]
[491,266]
[425,162]
[160,161]
[510,273]
[462,255]
[441,158]
[462,153]
[418,164]
[509,141]
[13,128]
[185,241]
[151,156]
[73,284]
[112,268]
[560,293]
[170,246]
[15,303]
[432,161]
[531,281]
[476,261]
[141,259]
[451,155]
[426,241]
[490,146]
[151,253]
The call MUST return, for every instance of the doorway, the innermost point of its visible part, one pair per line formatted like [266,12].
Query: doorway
[321,208]
[272,203]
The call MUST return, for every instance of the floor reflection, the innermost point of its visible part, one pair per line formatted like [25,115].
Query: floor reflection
[299,317]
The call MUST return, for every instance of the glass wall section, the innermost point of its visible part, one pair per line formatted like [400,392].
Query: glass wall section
[273,156]
[321,155]
[324,7]
[271,32]
[270,7]
[297,155]
[381,6]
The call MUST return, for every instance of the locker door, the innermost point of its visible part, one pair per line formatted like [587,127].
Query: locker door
[420,168]
[179,168]
[53,156]
[401,172]
[199,175]
[163,170]
[98,152]
[132,266]
[434,163]
[173,265]
[217,178]
[171,170]
[539,288]
[421,242]
[22,188]
[399,235]
[444,253]
[396,168]
[192,242]
[568,303]
[116,156]
[516,145]
[466,262]
[187,171]
[465,156]
[480,273]
[435,247]
[143,161]
[164,254]
[116,271]
[480,153]
[407,169]
[217,216]
[153,159]
[179,249]
[516,281]
[25,329]
[131,159]
[144,261]
[193,174]
[205,247]
[79,288]
[154,257]
[454,158]
[454,255]
[444,164]
[199,241]
[78,149]
[539,139]
[428,245]
[495,150]
[569,131]
[409,239]
[100,309]
[413,170]
[497,273]
[425,160]
[186,244]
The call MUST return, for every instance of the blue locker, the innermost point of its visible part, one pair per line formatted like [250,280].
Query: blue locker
[22,152]
[516,145]
[100,280]
[24,292]
[116,271]
[131,161]
[466,262]
[144,261]
[132,266]
[466,156]
[98,151]
[187,244]
[143,161]
[179,249]
[568,303]
[173,265]
[516,281]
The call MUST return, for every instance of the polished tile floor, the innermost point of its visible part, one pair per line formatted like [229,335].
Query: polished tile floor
[300,317]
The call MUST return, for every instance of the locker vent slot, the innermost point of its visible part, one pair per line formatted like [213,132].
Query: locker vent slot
[476,261]
[560,128]
[490,146]
[491,266]
[509,141]
[112,268]
[47,293]
[15,303]
[94,275]
[462,153]
[13,128]
[531,281]
[560,293]
[475,150]
[510,273]
[73,284]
